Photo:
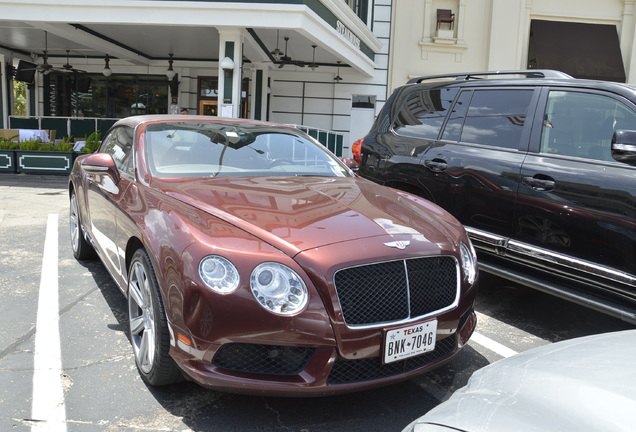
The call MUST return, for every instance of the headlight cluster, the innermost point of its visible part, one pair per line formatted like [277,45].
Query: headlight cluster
[275,286]
[469,261]
[278,288]
[219,274]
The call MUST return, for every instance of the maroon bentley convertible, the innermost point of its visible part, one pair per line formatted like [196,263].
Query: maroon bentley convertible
[255,261]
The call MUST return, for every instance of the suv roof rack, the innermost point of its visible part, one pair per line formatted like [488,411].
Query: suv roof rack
[465,76]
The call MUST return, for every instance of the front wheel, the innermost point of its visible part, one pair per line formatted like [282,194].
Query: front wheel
[148,324]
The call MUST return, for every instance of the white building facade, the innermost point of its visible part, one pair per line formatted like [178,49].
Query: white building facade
[322,64]
[593,39]
[327,65]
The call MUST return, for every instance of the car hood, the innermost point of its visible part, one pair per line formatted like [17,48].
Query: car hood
[300,213]
[584,384]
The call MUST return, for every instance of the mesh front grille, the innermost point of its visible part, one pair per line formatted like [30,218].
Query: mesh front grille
[396,290]
[352,371]
[263,359]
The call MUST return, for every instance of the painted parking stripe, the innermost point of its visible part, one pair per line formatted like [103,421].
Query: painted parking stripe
[492,345]
[48,411]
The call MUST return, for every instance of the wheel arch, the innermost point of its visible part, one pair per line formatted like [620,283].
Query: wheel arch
[132,246]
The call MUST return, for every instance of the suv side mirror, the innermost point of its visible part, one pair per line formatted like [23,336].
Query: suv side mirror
[624,146]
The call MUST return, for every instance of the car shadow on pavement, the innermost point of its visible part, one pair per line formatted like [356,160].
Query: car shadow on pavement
[543,315]
[384,409]
[34,181]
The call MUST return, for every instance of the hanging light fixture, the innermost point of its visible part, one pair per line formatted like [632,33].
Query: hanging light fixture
[338,78]
[170,72]
[45,67]
[227,64]
[277,53]
[107,72]
[313,64]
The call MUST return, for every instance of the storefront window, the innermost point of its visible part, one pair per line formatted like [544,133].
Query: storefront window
[94,95]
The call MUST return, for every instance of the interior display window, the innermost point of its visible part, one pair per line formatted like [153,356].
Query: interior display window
[94,95]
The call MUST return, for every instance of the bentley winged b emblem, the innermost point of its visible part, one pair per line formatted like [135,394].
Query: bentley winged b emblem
[398,244]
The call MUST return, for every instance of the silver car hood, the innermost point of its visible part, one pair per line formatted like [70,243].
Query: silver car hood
[583,384]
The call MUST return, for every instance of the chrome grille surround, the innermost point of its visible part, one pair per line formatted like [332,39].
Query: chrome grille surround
[391,292]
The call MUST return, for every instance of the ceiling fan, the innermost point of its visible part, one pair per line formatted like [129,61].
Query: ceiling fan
[287,60]
[45,67]
[67,67]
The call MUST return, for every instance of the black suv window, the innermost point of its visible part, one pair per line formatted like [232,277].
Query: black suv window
[581,124]
[490,117]
[423,112]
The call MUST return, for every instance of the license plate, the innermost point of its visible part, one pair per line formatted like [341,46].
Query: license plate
[411,341]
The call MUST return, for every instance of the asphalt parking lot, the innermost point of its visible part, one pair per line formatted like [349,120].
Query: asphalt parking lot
[59,317]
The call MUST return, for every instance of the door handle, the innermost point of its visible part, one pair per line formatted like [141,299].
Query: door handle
[436,164]
[543,183]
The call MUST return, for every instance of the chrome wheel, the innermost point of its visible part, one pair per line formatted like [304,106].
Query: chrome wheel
[149,333]
[74,224]
[142,321]
[81,248]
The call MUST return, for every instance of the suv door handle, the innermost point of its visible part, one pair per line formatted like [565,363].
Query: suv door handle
[538,183]
[436,164]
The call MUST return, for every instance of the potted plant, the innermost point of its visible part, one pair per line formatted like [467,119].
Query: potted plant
[92,142]
[7,154]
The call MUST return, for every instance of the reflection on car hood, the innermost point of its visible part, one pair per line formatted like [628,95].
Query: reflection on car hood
[584,384]
[300,213]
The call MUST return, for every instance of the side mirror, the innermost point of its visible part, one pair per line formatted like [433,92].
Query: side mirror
[624,146]
[350,163]
[100,164]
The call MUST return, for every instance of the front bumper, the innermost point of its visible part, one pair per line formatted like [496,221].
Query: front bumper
[277,370]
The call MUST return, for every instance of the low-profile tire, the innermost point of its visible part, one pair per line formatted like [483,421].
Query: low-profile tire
[82,249]
[148,324]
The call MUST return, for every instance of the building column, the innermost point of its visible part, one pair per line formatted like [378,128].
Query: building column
[626,34]
[427,33]
[506,35]
[4,84]
[230,46]
[258,91]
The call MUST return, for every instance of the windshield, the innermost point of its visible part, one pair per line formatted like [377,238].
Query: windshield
[192,149]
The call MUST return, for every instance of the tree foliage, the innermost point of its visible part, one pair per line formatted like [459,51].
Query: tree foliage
[19,98]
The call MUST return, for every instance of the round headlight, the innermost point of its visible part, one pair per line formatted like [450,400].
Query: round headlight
[469,262]
[278,288]
[219,274]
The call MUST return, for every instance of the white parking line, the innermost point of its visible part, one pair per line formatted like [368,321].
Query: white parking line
[492,345]
[48,411]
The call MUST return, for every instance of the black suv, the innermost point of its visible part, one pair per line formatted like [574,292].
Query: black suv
[540,168]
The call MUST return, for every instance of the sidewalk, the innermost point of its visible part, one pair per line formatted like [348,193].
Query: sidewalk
[33,181]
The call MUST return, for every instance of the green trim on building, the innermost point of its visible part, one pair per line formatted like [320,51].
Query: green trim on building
[229,77]
[258,101]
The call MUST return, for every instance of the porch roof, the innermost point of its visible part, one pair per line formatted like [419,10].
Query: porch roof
[142,32]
